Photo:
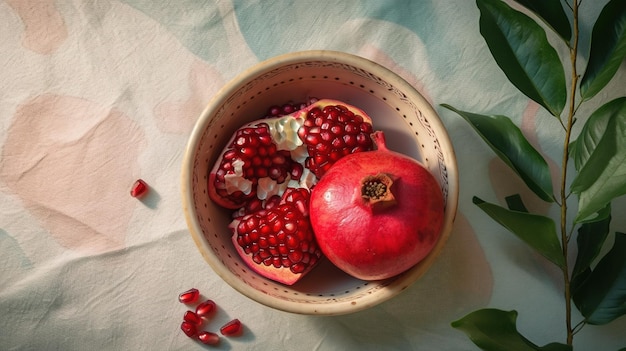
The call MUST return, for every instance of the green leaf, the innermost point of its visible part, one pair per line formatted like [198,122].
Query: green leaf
[602,297]
[608,48]
[521,49]
[598,216]
[591,237]
[602,176]
[496,330]
[539,232]
[590,135]
[552,13]
[508,142]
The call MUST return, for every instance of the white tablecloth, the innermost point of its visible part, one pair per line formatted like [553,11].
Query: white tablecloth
[95,94]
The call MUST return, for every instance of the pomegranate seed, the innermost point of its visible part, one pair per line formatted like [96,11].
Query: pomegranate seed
[288,108]
[189,296]
[189,329]
[296,171]
[274,111]
[231,328]
[192,318]
[208,338]
[298,268]
[139,189]
[295,256]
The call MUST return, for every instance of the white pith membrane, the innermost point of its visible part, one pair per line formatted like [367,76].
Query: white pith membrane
[235,181]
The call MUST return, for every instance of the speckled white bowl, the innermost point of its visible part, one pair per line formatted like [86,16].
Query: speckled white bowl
[409,122]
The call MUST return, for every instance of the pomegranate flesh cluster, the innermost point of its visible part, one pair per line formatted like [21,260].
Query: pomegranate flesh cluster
[318,181]
[266,173]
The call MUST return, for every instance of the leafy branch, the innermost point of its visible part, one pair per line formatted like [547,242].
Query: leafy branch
[519,45]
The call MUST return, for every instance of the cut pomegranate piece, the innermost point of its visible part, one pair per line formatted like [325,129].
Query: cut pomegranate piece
[278,243]
[189,296]
[208,338]
[265,157]
[331,132]
[192,318]
[189,329]
[139,188]
[205,309]
[252,158]
[232,328]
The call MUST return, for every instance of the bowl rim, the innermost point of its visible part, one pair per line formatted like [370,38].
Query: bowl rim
[394,285]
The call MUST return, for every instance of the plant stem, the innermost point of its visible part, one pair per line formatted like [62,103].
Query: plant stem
[568,131]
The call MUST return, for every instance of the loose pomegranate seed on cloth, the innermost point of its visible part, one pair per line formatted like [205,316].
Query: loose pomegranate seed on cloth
[189,329]
[189,296]
[205,309]
[208,338]
[232,328]
[192,318]
[139,188]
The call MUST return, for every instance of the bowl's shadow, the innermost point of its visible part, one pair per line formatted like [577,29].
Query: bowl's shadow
[458,282]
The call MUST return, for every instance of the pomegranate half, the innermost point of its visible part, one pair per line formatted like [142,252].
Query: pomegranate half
[376,214]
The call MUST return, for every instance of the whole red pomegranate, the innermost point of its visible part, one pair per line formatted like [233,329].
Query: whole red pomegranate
[266,172]
[376,214]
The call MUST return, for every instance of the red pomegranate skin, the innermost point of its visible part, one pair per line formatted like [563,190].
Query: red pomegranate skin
[379,241]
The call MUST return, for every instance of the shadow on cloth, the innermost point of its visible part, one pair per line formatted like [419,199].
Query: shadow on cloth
[459,281]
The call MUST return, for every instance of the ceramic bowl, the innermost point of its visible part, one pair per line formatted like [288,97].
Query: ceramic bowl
[411,126]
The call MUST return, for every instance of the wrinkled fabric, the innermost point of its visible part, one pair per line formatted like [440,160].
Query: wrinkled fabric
[95,94]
